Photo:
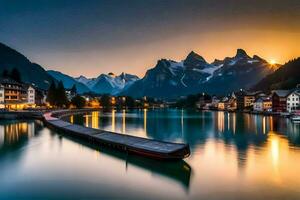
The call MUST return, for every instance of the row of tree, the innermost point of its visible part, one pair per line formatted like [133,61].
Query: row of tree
[57,97]
[13,74]
[121,102]
[192,100]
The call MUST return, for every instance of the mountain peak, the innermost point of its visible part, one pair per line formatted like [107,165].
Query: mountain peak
[217,62]
[241,53]
[81,77]
[111,74]
[194,60]
[193,55]
[256,57]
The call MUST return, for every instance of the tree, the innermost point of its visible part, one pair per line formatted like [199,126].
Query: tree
[5,73]
[130,102]
[74,90]
[51,95]
[189,102]
[61,97]
[105,101]
[15,75]
[78,101]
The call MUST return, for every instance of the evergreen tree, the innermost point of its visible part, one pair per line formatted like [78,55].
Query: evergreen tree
[51,95]
[61,97]
[15,75]
[5,74]
[105,101]
[130,102]
[74,90]
[78,101]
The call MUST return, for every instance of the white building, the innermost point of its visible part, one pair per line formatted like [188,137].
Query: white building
[31,95]
[2,97]
[293,100]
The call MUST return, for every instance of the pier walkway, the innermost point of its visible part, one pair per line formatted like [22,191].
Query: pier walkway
[130,144]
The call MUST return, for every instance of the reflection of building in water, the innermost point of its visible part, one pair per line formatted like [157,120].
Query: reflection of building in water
[124,121]
[271,123]
[245,123]
[221,121]
[182,122]
[228,121]
[113,120]
[1,135]
[87,120]
[233,122]
[242,157]
[95,120]
[294,133]
[12,133]
[145,120]
[31,128]
[264,125]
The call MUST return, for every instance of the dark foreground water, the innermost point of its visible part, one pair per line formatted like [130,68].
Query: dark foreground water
[234,156]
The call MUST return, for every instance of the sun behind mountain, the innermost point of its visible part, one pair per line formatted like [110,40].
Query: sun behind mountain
[272,62]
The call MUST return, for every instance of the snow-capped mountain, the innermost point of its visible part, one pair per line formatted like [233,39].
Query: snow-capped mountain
[171,79]
[82,79]
[108,83]
[89,82]
[68,81]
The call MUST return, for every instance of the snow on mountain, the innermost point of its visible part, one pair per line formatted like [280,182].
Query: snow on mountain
[82,79]
[170,79]
[211,70]
[108,83]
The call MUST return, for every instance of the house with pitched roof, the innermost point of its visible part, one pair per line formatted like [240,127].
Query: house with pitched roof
[279,100]
[293,101]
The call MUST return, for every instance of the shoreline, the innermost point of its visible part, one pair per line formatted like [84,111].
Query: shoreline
[10,115]
[286,115]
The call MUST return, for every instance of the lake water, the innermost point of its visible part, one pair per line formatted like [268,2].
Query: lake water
[233,156]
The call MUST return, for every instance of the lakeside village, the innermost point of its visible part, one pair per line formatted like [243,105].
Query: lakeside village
[15,95]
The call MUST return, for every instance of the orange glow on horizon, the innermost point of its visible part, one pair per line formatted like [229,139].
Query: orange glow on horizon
[272,62]
[268,44]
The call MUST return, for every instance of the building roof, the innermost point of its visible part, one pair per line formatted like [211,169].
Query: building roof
[282,93]
[9,81]
[263,99]
[297,92]
[246,93]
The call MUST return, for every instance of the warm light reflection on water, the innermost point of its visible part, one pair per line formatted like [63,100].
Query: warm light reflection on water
[234,156]
[14,132]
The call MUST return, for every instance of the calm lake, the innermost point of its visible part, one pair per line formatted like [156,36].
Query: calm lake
[233,156]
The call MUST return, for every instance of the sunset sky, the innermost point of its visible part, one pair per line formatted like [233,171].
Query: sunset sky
[91,37]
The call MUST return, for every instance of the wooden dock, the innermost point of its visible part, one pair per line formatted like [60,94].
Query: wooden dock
[130,144]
